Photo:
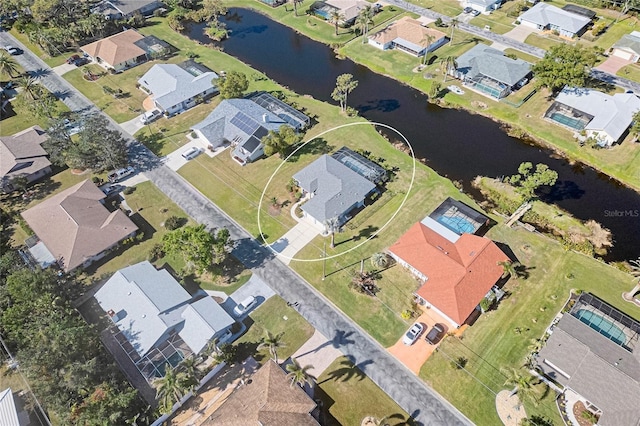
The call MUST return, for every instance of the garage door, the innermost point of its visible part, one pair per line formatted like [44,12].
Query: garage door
[622,54]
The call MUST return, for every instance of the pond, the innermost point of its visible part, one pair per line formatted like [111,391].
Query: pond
[455,143]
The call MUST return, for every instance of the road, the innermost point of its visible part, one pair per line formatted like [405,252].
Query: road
[412,394]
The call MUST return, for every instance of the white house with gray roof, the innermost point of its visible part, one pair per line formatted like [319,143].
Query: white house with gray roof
[544,16]
[593,352]
[158,321]
[628,47]
[122,9]
[488,71]
[483,6]
[244,122]
[334,190]
[176,88]
[601,116]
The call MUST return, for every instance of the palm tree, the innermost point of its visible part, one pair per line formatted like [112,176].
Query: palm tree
[332,225]
[525,385]
[508,268]
[295,5]
[170,388]
[273,342]
[429,39]
[28,85]
[192,374]
[299,374]
[7,64]
[453,24]
[448,64]
[364,19]
[335,17]
[380,260]
[635,273]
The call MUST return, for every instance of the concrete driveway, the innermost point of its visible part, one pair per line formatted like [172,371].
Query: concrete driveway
[133,125]
[319,352]
[294,240]
[64,68]
[254,287]
[613,64]
[520,33]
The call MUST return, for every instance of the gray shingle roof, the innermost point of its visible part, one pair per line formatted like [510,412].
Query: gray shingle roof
[629,42]
[490,62]
[203,320]
[171,84]
[611,114]
[598,369]
[336,188]
[546,14]
[129,6]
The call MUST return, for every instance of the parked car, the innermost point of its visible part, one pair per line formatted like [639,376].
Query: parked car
[111,189]
[12,50]
[412,335]
[467,9]
[244,306]
[150,116]
[475,12]
[191,153]
[72,59]
[116,175]
[81,61]
[435,334]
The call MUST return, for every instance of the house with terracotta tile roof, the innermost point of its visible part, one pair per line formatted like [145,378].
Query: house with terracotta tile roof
[74,227]
[124,50]
[266,398]
[22,155]
[457,268]
[408,35]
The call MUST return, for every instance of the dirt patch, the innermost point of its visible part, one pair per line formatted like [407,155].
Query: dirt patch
[479,105]
[274,210]
[583,415]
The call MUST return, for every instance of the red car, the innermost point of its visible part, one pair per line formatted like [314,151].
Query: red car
[73,58]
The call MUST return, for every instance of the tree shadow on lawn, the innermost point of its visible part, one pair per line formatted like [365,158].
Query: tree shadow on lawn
[345,371]
[316,146]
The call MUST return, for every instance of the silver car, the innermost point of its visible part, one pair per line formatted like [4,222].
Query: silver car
[244,306]
[412,335]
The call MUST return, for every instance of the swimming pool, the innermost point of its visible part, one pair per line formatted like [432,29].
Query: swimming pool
[458,225]
[602,326]
[175,359]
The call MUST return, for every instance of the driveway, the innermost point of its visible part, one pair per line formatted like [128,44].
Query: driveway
[255,287]
[520,33]
[132,126]
[64,68]
[613,64]
[319,352]
[294,240]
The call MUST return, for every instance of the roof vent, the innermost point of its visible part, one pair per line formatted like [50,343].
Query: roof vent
[265,118]
[144,315]
[111,313]
[129,294]
[472,253]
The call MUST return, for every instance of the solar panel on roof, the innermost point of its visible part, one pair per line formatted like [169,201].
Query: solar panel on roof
[244,123]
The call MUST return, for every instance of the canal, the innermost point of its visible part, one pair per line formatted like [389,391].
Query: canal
[455,143]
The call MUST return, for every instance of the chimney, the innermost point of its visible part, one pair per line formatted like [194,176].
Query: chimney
[111,313]
[265,118]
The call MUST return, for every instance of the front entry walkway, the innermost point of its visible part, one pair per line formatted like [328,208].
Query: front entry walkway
[294,240]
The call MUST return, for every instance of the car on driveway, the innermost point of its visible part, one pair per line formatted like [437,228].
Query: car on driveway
[80,62]
[72,59]
[475,12]
[467,10]
[116,175]
[435,334]
[244,306]
[412,335]
[190,153]
[150,116]
[12,50]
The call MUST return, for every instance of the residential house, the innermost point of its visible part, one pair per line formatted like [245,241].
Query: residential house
[544,16]
[603,117]
[334,190]
[593,354]
[244,122]
[457,268]
[348,9]
[628,47]
[75,228]
[579,10]
[124,50]
[267,398]
[158,322]
[483,6]
[22,155]
[176,88]
[408,35]
[488,71]
[123,9]
[12,411]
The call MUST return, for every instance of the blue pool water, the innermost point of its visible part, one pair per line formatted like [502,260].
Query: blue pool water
[458,225]
[602,326]
[173,360]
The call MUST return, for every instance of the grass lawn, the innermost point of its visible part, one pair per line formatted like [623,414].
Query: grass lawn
[348,396]
[270,316]
[525,57]
[15,122]
[631,72]
[445,7]
[10,379]
[543,42]
[493,342]
[49,60]
[498,21]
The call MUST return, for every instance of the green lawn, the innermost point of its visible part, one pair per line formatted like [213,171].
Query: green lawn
[18,122]
[493,344]
[542,41]
[445,7]
[525,57]
[49,60]
[276,317]
[498,21]
[348,396]
[631,72]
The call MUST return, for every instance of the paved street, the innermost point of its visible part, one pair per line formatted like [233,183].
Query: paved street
[411,393]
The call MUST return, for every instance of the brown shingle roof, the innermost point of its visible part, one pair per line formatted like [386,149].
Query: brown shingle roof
[459,274]
[117,48]
[75,225]
[23,149]
[266,399]
[410,30]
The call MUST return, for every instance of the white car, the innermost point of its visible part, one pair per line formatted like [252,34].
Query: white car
[12,50]
[190,153]
[150,116]
[244,306]
[412,335]
[455,89]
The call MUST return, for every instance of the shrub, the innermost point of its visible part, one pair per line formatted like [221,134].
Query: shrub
[459,363]
[129,190]
[173,222]
[156,252]
[96,180]
[407,314]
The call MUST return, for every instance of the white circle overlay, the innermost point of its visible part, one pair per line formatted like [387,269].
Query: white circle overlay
[319,259]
